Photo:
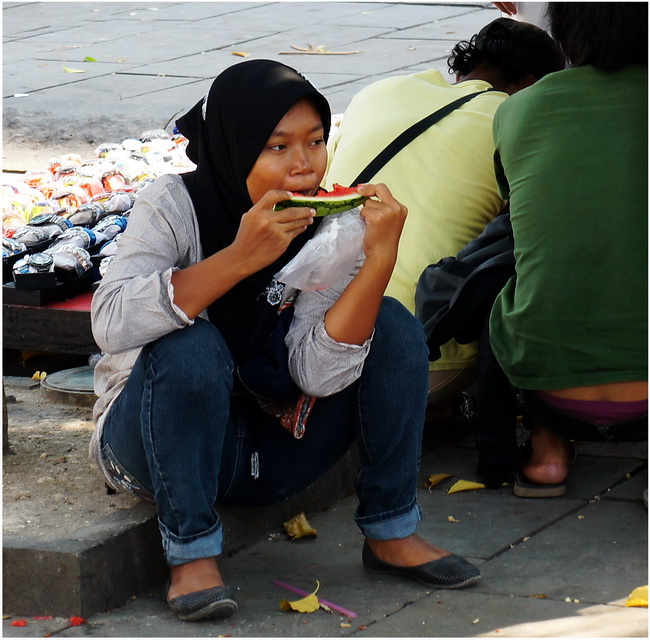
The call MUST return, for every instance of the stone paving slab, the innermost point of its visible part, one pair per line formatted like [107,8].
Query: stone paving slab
[52,76]
[522,593]
[460,25]
[471,614]
[378,56]
[632,489]
[441,614]
[151,84]
[427,16]
[188,14]
[597,554]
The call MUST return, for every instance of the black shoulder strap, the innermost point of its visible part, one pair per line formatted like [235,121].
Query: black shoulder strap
[409,135]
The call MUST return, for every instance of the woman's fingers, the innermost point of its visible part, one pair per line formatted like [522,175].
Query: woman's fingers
[295,218]
[289,219]
[506,7]
[383,203]
[385,217]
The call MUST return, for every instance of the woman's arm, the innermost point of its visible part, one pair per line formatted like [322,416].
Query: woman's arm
[263,236]
[158,282]
[351,319]
[133,304]
[332,328]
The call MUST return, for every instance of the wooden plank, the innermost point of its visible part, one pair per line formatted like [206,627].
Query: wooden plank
[47,329]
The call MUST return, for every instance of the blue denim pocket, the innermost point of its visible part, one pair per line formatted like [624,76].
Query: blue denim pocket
[121,477]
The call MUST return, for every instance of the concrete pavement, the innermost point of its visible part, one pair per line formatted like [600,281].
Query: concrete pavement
[152,61]
[561,567]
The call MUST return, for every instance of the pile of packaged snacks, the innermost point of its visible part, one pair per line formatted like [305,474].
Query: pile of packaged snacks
[69,216]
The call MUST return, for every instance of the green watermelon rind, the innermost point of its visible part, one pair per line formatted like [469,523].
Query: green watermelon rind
[324,206]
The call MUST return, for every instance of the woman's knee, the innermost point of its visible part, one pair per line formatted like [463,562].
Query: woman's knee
[196,352]
[399,336]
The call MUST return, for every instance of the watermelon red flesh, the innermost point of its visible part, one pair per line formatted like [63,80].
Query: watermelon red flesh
[337,200]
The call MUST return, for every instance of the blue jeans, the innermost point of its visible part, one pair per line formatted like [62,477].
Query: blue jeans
[179,435]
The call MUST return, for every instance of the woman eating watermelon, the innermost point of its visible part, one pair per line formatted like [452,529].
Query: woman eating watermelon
[190,303]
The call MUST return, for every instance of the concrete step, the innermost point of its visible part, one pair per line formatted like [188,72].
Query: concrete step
[102,566]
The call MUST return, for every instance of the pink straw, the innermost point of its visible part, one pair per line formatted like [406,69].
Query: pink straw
[331,605]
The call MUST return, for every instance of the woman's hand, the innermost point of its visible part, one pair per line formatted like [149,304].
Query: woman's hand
[265,234]
[385,219]
[506,7]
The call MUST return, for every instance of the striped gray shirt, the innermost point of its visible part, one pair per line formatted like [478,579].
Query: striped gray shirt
[134,303]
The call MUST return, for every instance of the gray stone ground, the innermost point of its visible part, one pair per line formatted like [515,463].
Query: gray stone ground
[560,568]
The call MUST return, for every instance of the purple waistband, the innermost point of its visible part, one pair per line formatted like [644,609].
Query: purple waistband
[598,412]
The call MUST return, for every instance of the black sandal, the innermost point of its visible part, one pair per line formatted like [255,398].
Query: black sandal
[526,488]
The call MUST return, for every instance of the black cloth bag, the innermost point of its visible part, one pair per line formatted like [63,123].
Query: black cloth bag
[453,299]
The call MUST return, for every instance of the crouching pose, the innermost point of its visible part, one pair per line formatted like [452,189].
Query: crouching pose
[191,297]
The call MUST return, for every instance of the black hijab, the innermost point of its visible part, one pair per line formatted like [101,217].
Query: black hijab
[227,131]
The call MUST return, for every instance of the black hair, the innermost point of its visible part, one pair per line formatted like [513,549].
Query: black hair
[517,49]
[607,35]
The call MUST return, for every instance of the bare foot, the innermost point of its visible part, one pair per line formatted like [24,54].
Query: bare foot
[406,552]
[194,576]
[550,457]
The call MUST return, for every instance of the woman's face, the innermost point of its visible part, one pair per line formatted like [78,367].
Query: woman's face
[295,156]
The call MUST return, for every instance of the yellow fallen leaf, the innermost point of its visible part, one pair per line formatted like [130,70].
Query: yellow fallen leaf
[466,485]
[69,70]
[241,54]
[298,527]
[436,478]
[36,375]
[345,625]
[638,597]
[452,519]
[308,604]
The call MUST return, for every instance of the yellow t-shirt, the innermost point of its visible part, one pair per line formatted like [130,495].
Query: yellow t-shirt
[445,177]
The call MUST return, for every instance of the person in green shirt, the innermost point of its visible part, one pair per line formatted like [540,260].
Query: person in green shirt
[570,329]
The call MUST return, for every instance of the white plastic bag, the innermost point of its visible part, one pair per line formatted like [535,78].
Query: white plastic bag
[329,256]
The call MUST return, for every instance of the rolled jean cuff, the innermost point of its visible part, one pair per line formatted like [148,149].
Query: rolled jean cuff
[389,526]
[181,551]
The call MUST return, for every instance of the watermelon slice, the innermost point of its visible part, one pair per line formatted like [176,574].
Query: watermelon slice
[326,203]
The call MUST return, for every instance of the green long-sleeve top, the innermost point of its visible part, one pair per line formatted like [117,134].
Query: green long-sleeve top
[571,156]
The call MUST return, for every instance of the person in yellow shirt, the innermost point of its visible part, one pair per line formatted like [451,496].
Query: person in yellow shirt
[445,177]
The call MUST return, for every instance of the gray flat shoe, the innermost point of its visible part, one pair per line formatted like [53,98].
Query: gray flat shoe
[208,604]
[449,572]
